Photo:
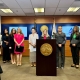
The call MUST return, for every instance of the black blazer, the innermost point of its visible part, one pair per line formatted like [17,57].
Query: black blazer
[46,37]
[5,38]
[77,38]
[78,45]
[11,41]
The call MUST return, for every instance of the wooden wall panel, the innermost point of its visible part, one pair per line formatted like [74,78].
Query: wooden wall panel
[27,51]
[26,48]
[67,19]
[41,19]
[17,20]
[67,48]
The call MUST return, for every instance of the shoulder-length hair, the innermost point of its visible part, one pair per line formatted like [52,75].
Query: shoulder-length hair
[47,35]
[12,31]
[20,31]
[77,30]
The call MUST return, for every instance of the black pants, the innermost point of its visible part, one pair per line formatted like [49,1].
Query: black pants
[60,54]
[6,54]
[75,55]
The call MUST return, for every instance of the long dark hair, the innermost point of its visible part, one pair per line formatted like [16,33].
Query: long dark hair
[12,31]
[77,30]
[4,32]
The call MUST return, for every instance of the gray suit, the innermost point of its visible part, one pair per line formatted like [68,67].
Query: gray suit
[60,51]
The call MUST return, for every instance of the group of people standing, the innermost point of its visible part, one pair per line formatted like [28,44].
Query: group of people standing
[10,42]
[16,38]
[13,46]
[60,45]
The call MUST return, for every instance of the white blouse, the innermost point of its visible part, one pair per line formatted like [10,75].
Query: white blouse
[32,39]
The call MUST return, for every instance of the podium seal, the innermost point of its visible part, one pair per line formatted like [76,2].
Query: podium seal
[46,49]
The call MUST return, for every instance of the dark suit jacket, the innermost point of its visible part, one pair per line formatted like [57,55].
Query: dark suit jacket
[5,38]
[77,38]
[78,45]
[11,41]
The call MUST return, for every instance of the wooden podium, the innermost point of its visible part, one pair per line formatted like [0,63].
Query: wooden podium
[46,65]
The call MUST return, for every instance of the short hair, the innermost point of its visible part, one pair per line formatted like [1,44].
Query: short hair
[33,28]
[59,26]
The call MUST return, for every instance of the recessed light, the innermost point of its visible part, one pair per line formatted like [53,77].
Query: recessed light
[39,10]
[73,9]
[6,10]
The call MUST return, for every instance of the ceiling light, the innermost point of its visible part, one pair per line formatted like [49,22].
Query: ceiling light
[39,10]
[73,9]
[6,10]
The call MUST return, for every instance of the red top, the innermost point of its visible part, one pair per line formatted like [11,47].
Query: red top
[44,37]
[18,38]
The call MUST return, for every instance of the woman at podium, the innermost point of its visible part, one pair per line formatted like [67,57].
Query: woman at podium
[44,30]
[32,47]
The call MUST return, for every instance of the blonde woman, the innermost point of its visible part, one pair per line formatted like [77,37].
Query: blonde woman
[44,30]
[19,46]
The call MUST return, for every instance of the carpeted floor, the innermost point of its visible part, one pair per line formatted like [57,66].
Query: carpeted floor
[25,72]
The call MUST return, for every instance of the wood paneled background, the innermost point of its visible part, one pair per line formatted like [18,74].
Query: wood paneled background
[41,19]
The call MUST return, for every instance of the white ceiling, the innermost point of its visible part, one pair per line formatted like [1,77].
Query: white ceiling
[25,7]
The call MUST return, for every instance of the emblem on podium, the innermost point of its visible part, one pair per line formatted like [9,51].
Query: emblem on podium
[46,49]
